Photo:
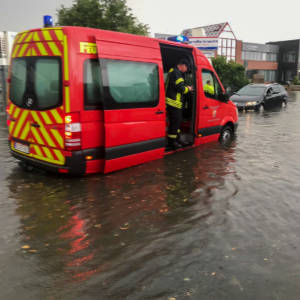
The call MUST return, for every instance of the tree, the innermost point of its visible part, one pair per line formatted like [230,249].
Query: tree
[104,14]
[231,74]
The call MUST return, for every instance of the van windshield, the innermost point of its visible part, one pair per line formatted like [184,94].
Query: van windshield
[36,82]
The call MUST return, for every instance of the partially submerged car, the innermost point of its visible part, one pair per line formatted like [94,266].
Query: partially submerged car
[256,96]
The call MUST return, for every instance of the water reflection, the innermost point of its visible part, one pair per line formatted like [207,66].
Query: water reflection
[210,223]
[81,227]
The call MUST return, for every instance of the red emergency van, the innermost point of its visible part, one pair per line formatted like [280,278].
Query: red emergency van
[85,100]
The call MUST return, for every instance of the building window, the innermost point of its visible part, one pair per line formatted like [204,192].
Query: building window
[227,48]
[289,57]
[259,56]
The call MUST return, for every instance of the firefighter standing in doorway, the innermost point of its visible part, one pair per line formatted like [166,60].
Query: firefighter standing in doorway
[175,88]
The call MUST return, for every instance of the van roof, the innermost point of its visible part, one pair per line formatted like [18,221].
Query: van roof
[114,36]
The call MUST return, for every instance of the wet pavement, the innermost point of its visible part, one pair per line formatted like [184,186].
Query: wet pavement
[207,223]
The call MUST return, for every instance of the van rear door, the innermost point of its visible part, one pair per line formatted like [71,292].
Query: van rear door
[134,108]
[36,109]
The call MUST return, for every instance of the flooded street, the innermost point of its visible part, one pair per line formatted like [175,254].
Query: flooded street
[207,223]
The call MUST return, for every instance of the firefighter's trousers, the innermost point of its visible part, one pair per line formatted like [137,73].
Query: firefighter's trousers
[175,119]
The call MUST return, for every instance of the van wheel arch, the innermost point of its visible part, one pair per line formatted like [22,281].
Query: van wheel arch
[227,133]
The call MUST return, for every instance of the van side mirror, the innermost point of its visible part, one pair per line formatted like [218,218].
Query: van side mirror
[224,97]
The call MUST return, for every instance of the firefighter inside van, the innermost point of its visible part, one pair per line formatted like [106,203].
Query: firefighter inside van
[175,89]
[208,88]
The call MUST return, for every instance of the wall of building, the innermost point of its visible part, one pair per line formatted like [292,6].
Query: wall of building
[288,60]
[265,62]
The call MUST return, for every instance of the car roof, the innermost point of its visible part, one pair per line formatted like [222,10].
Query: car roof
[263,84]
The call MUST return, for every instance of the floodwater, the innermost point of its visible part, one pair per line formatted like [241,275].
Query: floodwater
[207,223]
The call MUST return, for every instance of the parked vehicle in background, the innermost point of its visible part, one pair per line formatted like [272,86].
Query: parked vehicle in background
[256,96]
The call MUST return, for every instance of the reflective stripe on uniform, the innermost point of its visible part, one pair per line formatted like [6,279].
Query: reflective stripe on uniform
[179,80]
[172,136]
[175,103]
[186,90]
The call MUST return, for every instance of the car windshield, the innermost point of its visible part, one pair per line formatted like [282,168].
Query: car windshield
[250,90]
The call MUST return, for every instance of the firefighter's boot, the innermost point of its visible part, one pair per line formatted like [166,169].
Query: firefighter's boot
[173,144]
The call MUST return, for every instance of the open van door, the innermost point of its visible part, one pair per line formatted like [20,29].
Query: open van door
[134,106]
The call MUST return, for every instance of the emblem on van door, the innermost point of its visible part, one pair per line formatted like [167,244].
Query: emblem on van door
[29,102]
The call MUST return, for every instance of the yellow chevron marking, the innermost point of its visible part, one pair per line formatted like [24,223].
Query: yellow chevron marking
[11,107]
[66,71]
[29,52]
[37,136]
[23,49]
[59,34]
[46,117]
[59,155]
[47,35]
[25,131]
[16,48]
[16,112]
[37,150]
[36,37]
[57,162]
[48,153]
[54,48]
[11,126]
[56,116]
[16,40]
[22,37]
[29,38]
[67,99]
[33,52]
[44,132]
[42,48]
[58,137]
[20,123]
[66,60]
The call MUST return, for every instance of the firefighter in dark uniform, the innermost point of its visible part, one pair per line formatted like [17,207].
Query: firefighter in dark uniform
[175,88]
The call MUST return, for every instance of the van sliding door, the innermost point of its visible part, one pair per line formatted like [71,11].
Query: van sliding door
[134,109]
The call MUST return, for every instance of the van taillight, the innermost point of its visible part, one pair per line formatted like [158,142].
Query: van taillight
[7,116]
[72,132]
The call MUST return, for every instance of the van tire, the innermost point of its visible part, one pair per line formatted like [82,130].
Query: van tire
[226,135]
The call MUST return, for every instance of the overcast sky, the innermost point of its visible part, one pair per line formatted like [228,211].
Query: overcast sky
[252,21]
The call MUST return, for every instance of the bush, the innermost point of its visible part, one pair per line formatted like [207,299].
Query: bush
[296,80]
[231,74]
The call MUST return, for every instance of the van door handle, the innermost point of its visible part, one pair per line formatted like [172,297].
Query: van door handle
[159,112]
[35,125]
[205,107]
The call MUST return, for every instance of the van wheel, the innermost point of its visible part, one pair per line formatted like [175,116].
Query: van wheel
[226,135]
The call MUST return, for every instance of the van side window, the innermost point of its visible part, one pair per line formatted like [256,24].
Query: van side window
[211,86]
[93,96]
[129,84]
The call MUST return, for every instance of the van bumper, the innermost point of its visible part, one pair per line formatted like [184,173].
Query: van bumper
[75,164]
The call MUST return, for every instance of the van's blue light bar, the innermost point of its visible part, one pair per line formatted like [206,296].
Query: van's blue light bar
[178,38]
[48,21]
